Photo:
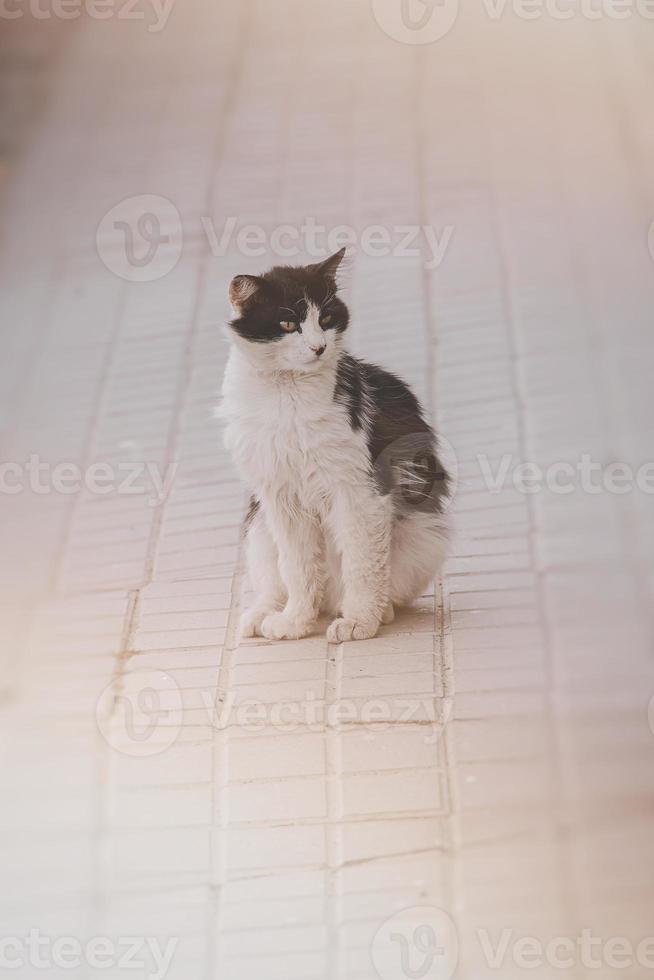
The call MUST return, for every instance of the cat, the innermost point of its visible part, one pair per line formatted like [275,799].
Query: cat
[348,493]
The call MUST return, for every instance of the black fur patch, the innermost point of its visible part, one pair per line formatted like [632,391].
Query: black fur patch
[252,511]
[402,445]
[349,388]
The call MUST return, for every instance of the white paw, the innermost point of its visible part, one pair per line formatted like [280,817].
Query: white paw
[279,626]
[250,622]
[341,630]
[388,614]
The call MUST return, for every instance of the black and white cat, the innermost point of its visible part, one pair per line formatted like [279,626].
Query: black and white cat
[348,491]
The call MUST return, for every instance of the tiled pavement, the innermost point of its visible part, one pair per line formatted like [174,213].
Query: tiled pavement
[488,755]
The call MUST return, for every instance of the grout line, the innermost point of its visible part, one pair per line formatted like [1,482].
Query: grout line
[220,763]
[220,737]
[442,620]
[334,826]
[106,758]
[554,774]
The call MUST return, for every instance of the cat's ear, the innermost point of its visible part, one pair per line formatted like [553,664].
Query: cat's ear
[244,289]
[330,266]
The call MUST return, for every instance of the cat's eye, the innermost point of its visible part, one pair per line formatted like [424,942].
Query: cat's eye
[288,325]
[326,319]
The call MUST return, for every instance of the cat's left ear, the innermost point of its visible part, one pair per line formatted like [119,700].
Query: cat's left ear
[329,267]
[244,289]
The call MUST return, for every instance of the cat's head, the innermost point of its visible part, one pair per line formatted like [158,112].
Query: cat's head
[291,318]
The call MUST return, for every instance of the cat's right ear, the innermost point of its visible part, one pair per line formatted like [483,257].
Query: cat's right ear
[244,290]
[329,267]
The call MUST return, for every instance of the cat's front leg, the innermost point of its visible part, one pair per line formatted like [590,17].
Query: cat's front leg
[361,523]
[263,571]
[298,538]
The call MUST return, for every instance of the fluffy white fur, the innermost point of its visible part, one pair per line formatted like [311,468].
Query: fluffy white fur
[323,537]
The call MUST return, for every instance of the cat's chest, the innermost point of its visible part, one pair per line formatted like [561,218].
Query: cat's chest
[280,437]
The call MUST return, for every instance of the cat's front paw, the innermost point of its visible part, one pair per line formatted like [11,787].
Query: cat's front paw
[250,622]
[341,630]
[388,614]
[279,626]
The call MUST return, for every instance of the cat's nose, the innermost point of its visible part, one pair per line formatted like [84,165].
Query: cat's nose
[318,350]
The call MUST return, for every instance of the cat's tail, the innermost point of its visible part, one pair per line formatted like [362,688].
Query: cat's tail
[418,549]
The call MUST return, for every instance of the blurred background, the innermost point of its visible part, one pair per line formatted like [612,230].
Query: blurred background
[483,805]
